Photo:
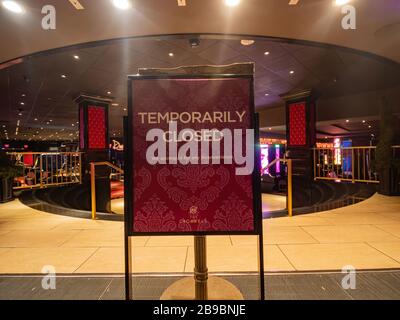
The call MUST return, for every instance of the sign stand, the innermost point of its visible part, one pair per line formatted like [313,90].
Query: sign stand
[200,268]
[238,78]
[200,243]
[127,239]
[257,202]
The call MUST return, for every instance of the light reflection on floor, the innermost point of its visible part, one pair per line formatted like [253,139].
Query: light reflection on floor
[270,202]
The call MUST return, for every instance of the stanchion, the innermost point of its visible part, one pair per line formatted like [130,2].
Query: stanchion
[200,268]
[93,189]
[201,287]
[289,188]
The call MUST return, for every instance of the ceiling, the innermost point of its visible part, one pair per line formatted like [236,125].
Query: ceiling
[36,93]
[377,29]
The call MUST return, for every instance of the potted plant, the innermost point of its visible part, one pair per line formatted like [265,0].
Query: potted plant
[388,168]
[8,172]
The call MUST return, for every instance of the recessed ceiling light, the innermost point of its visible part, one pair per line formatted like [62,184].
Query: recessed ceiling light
[20,114]
[115,104]
[77,5]
[341,2]
[232,3]
[245,42]
[23,95]
[266,53]
[13,6]
[36,119]
[291,72]
[363,121]
[267,94]
[370,127]
[108,92]
[51,120]
[76,57]
[347,120]
[125,109]
[269,129]
[171,54]
[73,125]
[63,76]
[121,4]
[22,103]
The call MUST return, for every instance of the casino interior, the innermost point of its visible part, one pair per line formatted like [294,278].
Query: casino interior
[327,100]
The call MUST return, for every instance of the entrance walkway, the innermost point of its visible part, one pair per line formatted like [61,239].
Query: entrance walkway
[365,235]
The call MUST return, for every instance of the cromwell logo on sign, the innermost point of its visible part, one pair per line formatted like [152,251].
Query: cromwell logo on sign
[191,156]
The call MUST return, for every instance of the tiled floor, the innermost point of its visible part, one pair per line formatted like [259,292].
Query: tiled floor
[291,286]
[365,235]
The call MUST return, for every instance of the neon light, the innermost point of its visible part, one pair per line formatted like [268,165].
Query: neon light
[264,158]
[277,156]
[338,152]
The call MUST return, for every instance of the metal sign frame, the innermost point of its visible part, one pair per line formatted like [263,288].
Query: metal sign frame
[128,199]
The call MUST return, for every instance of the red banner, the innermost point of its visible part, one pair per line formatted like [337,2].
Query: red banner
[97,127]
[182,185]
[297,124]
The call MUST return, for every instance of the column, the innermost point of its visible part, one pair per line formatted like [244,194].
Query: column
[94,145]
[301,138]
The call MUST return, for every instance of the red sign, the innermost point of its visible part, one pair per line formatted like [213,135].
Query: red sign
[297,124]
[178,182]
[96,127]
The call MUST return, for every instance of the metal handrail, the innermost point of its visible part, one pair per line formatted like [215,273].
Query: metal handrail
[93,181]
[47,169]
[106,163]
[348,148]
[44,153]
[354,164]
